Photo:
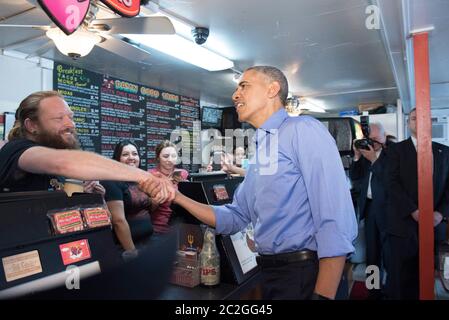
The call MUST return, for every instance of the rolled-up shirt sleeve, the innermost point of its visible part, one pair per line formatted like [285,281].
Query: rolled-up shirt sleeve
[233,217]
[327,189]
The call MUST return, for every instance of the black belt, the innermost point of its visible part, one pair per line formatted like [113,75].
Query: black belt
[285,258]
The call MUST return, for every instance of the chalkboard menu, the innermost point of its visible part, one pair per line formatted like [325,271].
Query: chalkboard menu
[162,119]
[80,89]
[122,116]
[189,121]
[108,110]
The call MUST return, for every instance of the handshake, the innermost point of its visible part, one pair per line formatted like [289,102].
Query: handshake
[158,187]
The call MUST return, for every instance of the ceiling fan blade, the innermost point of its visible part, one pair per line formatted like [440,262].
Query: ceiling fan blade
[23,42]
[27,16]
[41,50]
[136,25]
[125,50]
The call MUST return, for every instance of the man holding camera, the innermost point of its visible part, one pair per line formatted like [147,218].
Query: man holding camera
[368,170]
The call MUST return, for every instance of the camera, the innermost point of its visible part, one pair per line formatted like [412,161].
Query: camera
[363,144]
[200,35]
[366,141]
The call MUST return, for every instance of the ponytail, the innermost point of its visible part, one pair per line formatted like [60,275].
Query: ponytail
[28,109]
[15,132]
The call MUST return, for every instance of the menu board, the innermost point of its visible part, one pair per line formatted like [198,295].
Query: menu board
[189,121]
[122,116]
[108,110]
[80,89]
[162,120]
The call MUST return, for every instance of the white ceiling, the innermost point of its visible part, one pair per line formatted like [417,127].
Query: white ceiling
[323,47]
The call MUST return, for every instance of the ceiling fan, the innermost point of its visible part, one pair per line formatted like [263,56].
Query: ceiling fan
[100,26]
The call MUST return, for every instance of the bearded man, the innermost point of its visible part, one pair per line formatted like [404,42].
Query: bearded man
[43,145]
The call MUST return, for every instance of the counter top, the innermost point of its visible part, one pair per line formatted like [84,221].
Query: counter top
[250,289]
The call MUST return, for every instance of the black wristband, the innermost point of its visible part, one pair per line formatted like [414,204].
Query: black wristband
[317,296]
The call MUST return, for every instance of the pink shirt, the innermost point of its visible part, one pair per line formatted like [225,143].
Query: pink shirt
[160,217]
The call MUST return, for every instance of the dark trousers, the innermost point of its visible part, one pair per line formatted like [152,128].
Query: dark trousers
[291,281]
[375,240]
[403,268]
[373,236]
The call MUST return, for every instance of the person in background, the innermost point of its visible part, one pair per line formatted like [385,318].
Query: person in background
[43,145]
[297,197]
[215,158]
[368,169]
[233,164]
[129,206]
[166,158]
[239,154]
[94,187]
[403,213]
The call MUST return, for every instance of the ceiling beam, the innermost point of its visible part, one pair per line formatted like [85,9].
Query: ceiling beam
[394,40]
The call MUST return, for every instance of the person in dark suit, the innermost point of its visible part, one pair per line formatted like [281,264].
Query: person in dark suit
[368,171]
[403,212]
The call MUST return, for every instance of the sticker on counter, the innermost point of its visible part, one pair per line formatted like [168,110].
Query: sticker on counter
[75,251]
[21,265]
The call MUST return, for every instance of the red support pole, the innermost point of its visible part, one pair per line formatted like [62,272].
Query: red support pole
[425,166]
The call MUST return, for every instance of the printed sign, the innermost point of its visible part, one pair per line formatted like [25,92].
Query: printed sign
[126,8]
[220,193]
[109,110]
[66,14]
[96,217]
[67,221]
[75,251]
[21,265]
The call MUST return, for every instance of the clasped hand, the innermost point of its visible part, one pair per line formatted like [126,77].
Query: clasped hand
[159,188]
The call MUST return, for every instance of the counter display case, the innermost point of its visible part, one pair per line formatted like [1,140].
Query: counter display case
[34,258]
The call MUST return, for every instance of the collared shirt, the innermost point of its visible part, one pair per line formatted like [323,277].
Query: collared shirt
[369,193]
[302,200]
[415,142]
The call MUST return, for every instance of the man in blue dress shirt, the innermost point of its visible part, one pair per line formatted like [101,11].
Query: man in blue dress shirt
[295,193]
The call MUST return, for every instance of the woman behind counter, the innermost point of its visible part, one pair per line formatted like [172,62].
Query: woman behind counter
[130,207]
[166,158]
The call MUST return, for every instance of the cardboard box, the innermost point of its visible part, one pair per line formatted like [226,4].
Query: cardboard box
[186,271]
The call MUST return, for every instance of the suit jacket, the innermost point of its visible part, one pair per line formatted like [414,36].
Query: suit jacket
[402,177]
[359,173]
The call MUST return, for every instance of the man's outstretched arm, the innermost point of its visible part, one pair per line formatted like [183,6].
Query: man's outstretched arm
[202,212]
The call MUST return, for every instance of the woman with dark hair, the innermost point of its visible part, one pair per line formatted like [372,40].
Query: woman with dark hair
[130,207]
[166,158]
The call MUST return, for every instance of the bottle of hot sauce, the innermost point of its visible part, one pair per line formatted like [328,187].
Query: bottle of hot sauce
[209,260]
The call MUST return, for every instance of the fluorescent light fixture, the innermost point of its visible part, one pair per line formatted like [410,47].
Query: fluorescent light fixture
[78,44]
[183,49]
[181,45]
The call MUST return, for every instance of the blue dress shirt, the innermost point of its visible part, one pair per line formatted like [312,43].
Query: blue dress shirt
[295,191]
